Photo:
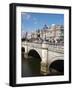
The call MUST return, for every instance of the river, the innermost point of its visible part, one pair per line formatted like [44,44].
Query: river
[31,67]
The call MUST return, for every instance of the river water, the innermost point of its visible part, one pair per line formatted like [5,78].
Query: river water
[31,67]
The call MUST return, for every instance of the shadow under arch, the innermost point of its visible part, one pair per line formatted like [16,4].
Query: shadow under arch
[34,62]
[57,67]
[22,51]
[34,54]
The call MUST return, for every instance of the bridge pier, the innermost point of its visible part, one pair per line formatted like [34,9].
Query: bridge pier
[44,62]
[26,55]
[26,50]
[44,68]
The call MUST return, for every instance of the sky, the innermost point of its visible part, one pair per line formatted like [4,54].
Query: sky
[33,21]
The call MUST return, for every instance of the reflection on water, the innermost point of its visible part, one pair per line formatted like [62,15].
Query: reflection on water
[31,67]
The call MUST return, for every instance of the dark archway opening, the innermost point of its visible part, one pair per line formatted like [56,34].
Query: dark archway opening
[57,67]
[34,54]
[22,51]
[34,62]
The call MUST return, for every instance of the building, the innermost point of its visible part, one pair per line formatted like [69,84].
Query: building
[53,33]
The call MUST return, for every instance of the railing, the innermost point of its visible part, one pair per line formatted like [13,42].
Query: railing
[37,45]
[55,48]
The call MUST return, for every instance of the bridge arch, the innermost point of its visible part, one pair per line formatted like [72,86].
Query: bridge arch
[55,58]
[35,62]
[23,49]
[57,66]
[34,53]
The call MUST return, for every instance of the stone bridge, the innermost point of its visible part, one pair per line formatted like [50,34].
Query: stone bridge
[48,53]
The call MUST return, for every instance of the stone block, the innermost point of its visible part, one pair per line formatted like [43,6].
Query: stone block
[44,68]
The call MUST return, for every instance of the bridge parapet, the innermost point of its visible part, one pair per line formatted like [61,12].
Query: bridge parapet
[31,44]
[36,45]
[56,48]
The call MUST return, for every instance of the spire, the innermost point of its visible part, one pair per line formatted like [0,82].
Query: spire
[45,27]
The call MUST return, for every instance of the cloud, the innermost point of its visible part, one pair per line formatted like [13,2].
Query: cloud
[26,16]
